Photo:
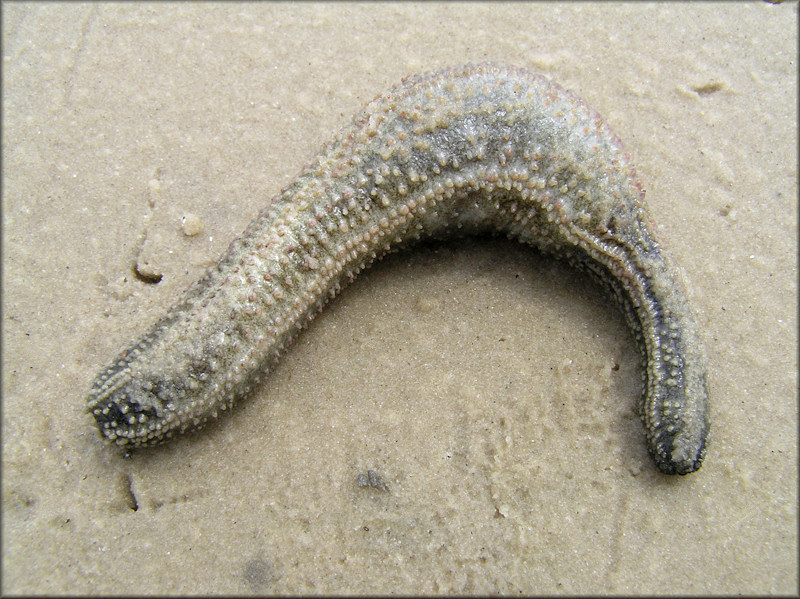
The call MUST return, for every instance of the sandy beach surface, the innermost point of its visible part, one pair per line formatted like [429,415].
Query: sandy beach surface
[491,391]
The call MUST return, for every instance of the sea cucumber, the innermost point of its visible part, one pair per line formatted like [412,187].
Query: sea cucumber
[479,148]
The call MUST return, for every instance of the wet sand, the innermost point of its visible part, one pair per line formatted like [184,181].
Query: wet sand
[490,388]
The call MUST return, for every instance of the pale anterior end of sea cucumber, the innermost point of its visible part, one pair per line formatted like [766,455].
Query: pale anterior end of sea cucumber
[481,148]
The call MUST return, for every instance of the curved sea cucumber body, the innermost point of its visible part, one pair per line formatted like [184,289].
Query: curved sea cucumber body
[472,149]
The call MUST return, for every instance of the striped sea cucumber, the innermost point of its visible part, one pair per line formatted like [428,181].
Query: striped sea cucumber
[480,148]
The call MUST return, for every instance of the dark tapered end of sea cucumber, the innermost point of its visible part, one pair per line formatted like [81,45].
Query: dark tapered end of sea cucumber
[675,456]
[126,410]
[113,415]
[682,466]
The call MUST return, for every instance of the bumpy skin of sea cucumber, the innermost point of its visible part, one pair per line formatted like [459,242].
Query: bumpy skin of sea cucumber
[481,148]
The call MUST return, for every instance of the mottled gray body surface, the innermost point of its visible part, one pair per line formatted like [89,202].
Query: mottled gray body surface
[473,149]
